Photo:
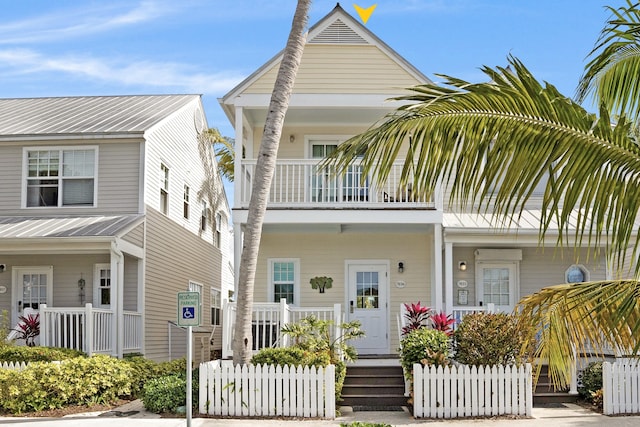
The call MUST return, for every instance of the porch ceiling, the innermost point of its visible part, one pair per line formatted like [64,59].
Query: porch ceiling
[306,116]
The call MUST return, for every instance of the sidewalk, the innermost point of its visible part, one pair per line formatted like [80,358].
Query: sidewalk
[133,414]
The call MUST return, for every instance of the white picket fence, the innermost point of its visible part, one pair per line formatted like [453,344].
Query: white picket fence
[621,387]
[469,391]
[267,390]
[16,366]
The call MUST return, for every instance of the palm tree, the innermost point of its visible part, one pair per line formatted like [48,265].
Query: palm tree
[265,167]
[223,150]
[521,133]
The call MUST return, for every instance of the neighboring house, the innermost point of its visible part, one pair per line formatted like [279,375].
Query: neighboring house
[382,245]
[109,208]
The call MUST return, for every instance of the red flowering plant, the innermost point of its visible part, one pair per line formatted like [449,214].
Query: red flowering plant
[442,322]
[417,316]
[28,329]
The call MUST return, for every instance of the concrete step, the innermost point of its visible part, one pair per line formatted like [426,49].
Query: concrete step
[372,389]
[391,380]
[374,386]
[375,401]
[546,398]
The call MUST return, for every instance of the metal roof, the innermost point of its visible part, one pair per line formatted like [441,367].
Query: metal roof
[16,227]
[86,114]
[529,220]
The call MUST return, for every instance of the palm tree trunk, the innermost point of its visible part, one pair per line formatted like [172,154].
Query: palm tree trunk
[265,168]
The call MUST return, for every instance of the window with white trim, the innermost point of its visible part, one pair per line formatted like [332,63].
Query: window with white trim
[102,286]
[217,236]
[216,307]
[60,177]
[185,202]
[164,189]
[284,280]
[205,216]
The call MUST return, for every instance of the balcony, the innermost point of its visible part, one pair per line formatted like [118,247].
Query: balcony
[301,183]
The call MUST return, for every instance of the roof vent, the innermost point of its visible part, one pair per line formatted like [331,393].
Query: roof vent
[338,33]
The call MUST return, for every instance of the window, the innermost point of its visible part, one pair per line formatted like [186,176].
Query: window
[102,286]
[217,236]
[60,177]
[164,188]
[205,216]
[216,307]
[284,280]
[185,203]
[195,287]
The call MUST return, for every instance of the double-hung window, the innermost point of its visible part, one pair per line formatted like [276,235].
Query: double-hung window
[216,306]
[57,177]
[284,280]
[164,189]
[217,236]
[185,202]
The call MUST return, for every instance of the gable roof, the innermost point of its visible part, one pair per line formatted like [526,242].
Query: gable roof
[337,28]
[86,114]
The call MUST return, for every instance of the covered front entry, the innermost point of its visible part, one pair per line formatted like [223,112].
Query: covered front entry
[33,286]
[367,301]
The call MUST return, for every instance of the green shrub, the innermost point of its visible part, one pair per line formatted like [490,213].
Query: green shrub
[290,356]
[145,369]
[591,380]
[77,381]
[424,345]
[492,339]
[14,353]
[167,393]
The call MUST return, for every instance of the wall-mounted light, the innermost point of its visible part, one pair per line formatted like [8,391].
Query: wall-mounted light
[401,267]
[81,285]
[292,138]
[462,265]
[3,268]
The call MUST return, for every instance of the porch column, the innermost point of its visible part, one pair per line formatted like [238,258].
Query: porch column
[237,252]
[117,300]
[448,277]
[437,268]
[237,162]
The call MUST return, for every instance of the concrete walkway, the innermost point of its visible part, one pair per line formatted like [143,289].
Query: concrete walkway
[133,414]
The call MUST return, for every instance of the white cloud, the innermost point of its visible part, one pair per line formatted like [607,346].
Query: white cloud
[144,74]
[66,24]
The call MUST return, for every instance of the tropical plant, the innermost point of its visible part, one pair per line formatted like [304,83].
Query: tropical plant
[223,150]
[525,134]
[28,328]
[416,315]
[611,75]
[263,175]
[426,346]
[314,335]
[443,322]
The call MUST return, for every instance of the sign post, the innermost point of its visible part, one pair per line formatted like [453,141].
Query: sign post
[189,315]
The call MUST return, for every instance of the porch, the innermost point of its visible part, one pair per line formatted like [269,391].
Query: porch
[301,183]
[91,330]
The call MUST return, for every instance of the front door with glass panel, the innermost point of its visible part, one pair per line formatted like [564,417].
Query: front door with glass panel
[32,287]
[367,302]
[497,284]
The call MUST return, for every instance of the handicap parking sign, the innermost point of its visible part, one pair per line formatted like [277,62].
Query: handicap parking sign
[188,309]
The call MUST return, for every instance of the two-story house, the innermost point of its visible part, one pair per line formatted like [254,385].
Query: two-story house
[109,206]
[383,245]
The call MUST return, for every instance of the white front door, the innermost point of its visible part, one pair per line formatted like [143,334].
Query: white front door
[497,284]
[367,302]
[32,286]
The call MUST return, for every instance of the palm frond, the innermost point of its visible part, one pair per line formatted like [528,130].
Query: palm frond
[583,318]
[611,76]
[494,142]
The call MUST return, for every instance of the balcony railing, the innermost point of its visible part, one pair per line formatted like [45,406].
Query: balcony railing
[302,183]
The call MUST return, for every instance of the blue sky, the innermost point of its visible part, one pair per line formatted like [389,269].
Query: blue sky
[65,47]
